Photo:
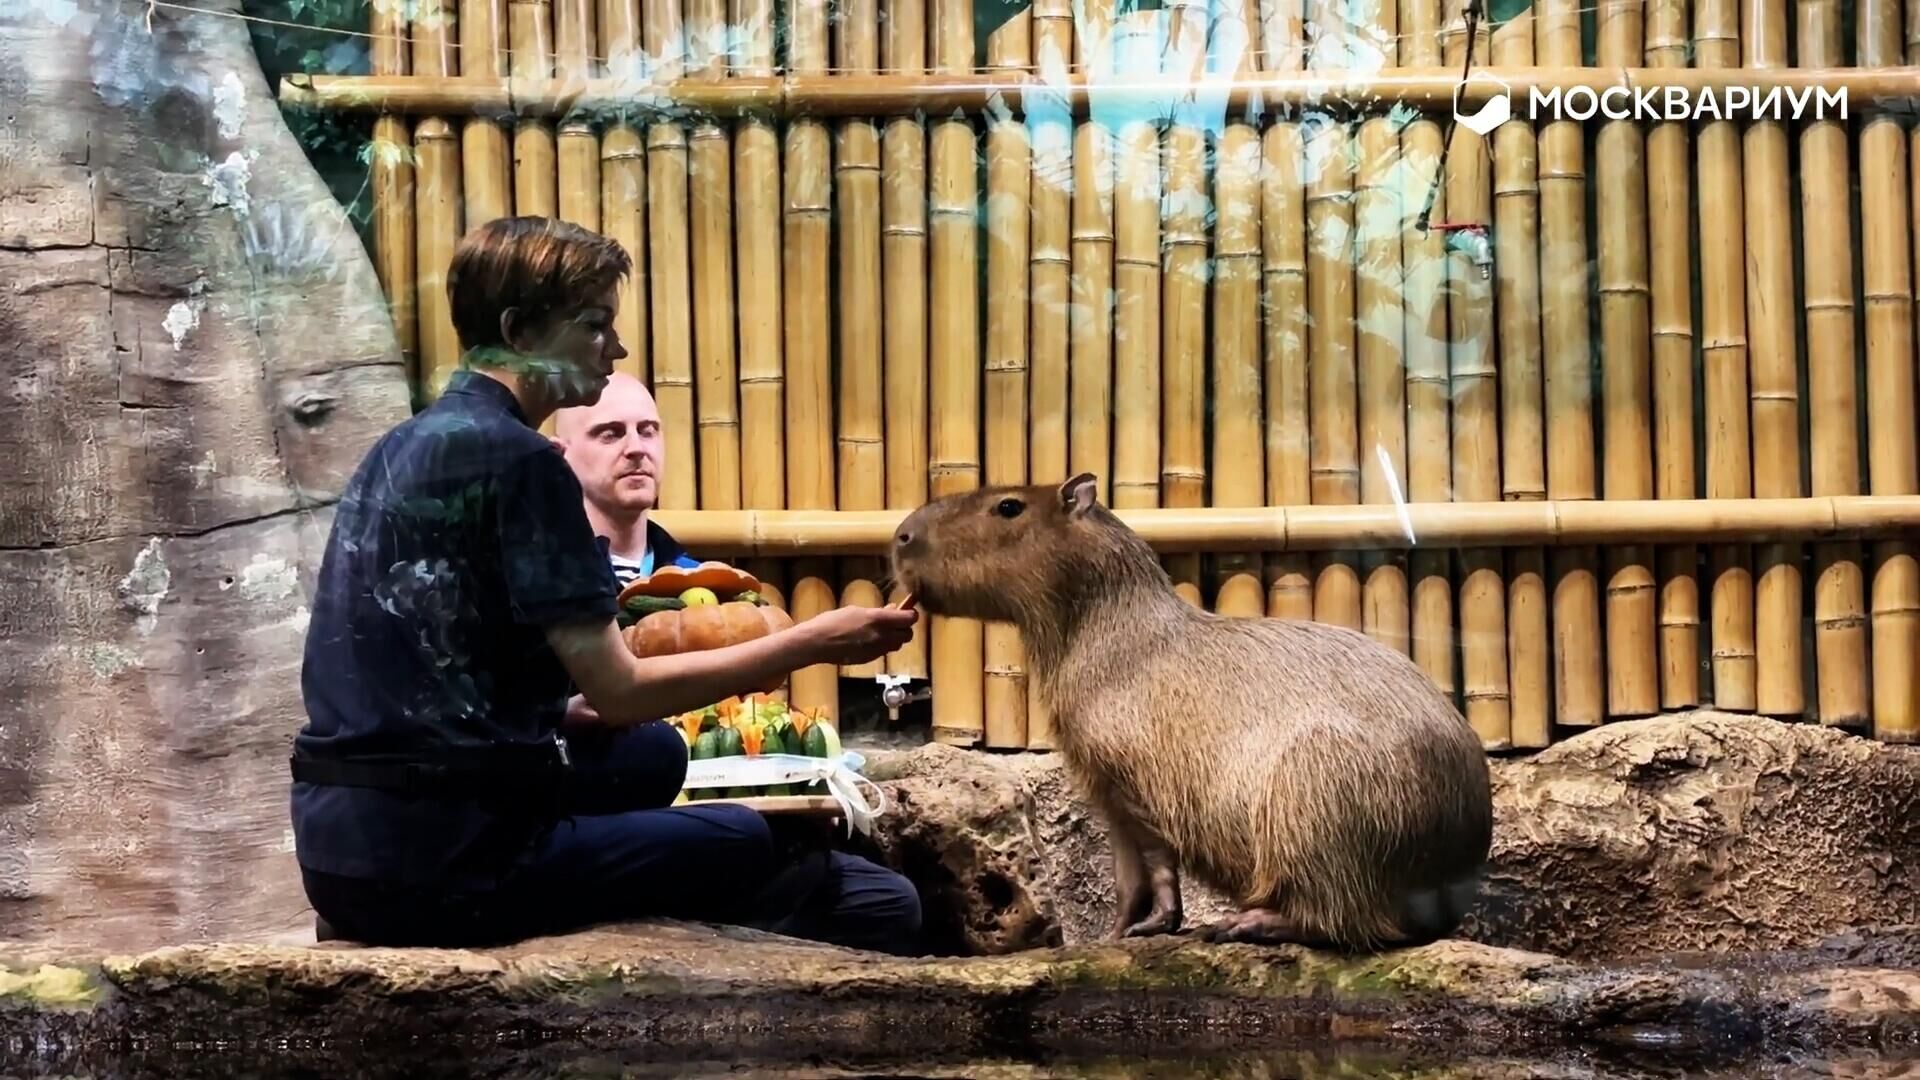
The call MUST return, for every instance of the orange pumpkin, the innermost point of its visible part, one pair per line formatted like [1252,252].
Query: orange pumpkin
[712,626]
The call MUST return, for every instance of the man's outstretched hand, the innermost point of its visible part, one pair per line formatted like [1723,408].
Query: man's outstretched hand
[856,635]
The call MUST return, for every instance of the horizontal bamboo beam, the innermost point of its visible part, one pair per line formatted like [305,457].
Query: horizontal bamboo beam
[788,533]
[1425,89]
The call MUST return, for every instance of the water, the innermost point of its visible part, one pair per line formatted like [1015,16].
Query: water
[516,1057]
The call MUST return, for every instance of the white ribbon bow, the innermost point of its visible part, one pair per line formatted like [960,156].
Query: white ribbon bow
[843,782]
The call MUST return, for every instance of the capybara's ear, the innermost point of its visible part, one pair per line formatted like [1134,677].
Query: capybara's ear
[1078,495]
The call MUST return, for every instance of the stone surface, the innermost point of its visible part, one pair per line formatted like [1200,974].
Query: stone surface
[670,992]
[1695,832]
[197,354]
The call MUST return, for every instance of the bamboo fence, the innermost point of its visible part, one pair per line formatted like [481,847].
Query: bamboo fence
[1661,453]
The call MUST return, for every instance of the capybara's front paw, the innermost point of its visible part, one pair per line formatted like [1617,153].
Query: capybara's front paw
[1161,920]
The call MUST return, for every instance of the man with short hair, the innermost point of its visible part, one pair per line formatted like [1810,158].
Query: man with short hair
[461,600]
[616,449]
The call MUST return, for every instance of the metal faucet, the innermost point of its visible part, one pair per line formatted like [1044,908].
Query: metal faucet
[895,695]
[1473,242]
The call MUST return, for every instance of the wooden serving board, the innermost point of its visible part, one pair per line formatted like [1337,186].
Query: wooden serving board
[811,805]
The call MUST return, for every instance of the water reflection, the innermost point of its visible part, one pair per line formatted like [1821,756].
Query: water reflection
[1344,1063]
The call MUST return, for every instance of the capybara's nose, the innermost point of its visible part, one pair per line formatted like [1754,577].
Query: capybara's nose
[903,537]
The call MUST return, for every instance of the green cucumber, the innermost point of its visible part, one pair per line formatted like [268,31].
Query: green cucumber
[707,745]
[815,744]
[642,606]
[774,744]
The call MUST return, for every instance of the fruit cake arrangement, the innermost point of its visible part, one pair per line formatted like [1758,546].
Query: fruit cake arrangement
[711,606]
[758,726]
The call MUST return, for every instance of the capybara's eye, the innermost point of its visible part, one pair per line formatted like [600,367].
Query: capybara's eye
[1009,508]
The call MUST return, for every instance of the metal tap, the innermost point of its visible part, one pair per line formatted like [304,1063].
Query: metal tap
[895,695]
[1473,242]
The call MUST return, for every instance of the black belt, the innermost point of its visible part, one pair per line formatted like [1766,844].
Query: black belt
[511,774]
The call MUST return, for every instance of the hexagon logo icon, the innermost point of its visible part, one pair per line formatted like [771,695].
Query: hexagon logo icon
[1497,109]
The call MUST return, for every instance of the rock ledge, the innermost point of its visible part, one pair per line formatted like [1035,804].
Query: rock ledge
[681,992]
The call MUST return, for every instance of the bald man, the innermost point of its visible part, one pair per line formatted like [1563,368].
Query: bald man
[616,448]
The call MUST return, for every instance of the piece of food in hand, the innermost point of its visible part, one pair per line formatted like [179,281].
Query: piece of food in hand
[906,602]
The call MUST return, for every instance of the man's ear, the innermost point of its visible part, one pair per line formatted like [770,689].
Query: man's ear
[1080,494]
[559,443]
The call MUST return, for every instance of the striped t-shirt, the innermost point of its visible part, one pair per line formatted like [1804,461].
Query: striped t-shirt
[625,570]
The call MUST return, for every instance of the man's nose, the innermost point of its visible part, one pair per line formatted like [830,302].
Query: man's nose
[618,350]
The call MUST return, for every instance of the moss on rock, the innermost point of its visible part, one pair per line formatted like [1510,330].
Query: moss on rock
[708,993]
[53,987]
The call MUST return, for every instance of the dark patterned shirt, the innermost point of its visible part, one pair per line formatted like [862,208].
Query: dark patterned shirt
[458,541]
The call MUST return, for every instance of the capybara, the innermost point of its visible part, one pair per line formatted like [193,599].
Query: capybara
[1313,775]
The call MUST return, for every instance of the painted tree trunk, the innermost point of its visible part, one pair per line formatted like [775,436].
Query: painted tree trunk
[196,356]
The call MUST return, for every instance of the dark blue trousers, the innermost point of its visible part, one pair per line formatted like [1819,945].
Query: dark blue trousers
[624,853]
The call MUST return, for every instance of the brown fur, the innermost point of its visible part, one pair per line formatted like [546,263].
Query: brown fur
[1312,774]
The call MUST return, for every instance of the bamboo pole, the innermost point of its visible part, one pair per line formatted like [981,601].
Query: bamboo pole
[716,366]
[1091,320]
[758,261]
[1579,660]
[1723,325]
[618,25]
[1332,381]
[669,273]
[1888,279]
[1516,236]
[756,174]
[1238,476]
[1476,427]
[1379,333]
[623,186]
[1136,294]
[903,224]
[954,361]
[1482,600]
[394,196]
[1620,183]
[485,152]
[1090,324]
[579,180]
[1670,234]
[1283,300]
[1183,282]
[1432,526]
[1051,234]
[862,443]
[1429,427]
[579,157]
[1425,89]
[439,215]
[806,277]
[1775,371]
[1008,211]
[1839,591]
[534,167]
[623,212]
[1283,240]
[577,146]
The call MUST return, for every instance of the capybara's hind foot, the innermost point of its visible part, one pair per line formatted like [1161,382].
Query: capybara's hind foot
[1258,926]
